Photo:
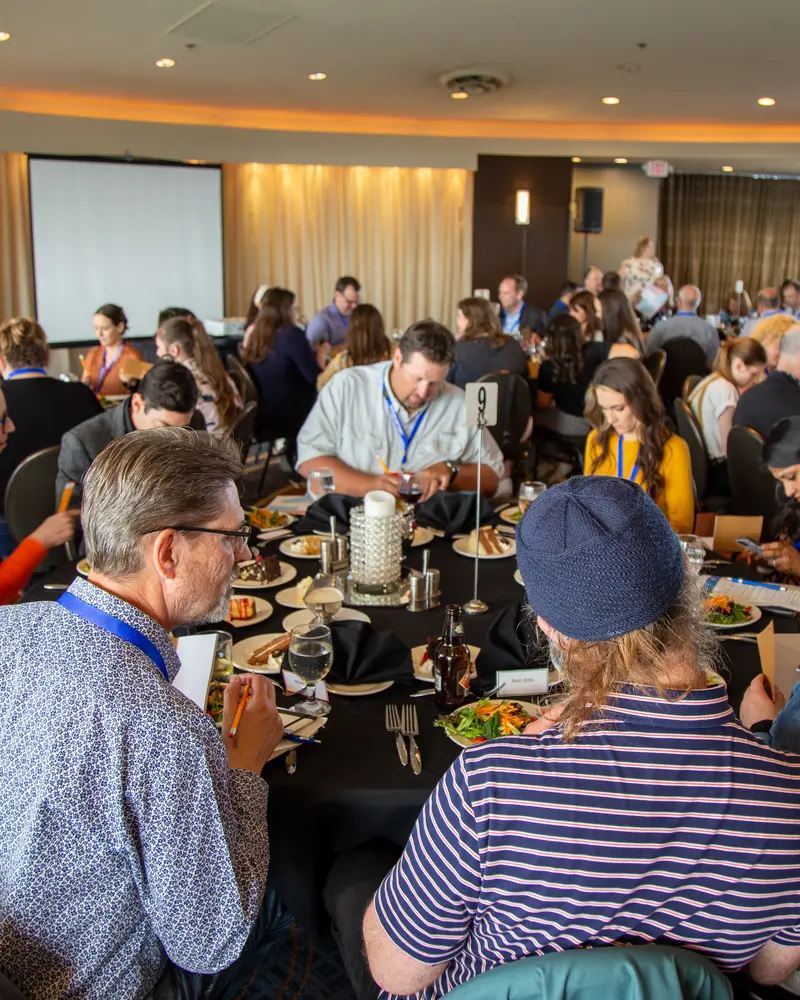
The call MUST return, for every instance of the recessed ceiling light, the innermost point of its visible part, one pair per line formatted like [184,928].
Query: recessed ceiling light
[4,36]
[610,100]
[165,63]
[766,102]
[459,95]
[727,170]
[318,76]
[620,159]
[576,159]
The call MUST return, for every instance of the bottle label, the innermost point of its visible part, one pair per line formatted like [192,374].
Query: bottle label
[464,679]
[437,680]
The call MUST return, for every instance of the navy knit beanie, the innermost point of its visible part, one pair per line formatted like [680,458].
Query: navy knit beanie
[598,558]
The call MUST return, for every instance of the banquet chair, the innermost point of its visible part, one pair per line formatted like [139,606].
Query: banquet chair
[754,490]
[684,357]
[242,379]
[8,991]
[654,363]
[634,972]
[689,430]
[243,426]
[690,383]
[31,497]
[513,415]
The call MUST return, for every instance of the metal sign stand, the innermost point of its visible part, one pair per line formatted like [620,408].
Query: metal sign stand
[476,606]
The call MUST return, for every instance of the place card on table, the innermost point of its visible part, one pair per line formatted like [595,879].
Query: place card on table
[294,685]
[526,680]
[780,655]
[728,528]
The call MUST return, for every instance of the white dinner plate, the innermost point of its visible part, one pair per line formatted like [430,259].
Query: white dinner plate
[359,690]
[518,578]
[755,615]
[303,617]
[244,649]
[289,598]
[460,545]
[424,672]
[533,710]
[83,567]
[263,611]
[287,549]
[288,573]
[422,536]
[512,515]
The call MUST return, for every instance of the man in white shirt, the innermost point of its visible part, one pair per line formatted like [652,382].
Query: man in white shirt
[401,415]
[768,303]
[686,325]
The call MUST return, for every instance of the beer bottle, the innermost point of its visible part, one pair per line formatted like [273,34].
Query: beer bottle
[451,663]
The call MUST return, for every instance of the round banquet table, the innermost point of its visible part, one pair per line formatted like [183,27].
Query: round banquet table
[352,788]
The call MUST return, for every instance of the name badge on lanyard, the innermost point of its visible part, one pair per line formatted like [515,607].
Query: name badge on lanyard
[406,438]
[620,472]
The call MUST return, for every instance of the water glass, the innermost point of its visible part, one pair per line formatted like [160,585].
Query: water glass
[695,551]
[320,482]
[528,492]
[311,657]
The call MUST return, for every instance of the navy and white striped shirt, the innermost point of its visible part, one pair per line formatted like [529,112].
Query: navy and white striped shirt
[668,821]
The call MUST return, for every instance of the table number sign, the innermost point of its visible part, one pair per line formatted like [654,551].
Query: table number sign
[481,404]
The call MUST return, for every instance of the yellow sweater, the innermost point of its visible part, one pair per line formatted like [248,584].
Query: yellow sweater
[676,499]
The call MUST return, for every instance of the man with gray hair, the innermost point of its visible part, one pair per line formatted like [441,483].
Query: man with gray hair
[686,325]
[778,396]
[134,843]
[768,303]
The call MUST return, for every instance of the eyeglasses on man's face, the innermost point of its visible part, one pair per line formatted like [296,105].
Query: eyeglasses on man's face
[244,534]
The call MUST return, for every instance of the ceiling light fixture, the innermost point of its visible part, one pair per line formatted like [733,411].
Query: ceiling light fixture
[4,36]
[620,159]
[576,159]
[610,100]
[318,76]
[165,63]
[459,95]
[727,170]
[766,102]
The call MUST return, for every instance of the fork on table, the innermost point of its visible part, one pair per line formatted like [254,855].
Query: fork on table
[410,728]
[393,726]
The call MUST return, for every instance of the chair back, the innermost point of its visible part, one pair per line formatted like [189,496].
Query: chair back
[684,357]
[654,363]
[8,991]
[242,379]
[634,972]
[753,489]
[243,427]
[690,383]
[689,430]
[31,497]
[514,409]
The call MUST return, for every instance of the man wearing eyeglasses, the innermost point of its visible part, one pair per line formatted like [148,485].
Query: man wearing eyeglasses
[328,329]
[134,840]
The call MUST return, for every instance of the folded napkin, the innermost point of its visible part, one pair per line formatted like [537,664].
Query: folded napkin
[510,643]
[363,656]
[453,512]
[318,515]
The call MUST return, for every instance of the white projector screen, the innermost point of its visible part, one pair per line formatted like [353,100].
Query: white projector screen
[139,235]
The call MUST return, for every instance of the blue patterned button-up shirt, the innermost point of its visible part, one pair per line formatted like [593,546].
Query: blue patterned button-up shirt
[125,839]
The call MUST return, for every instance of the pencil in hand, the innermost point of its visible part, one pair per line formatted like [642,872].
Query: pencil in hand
[244,698]
[66,496]
[383,465]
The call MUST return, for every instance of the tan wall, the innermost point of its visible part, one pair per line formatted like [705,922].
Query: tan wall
[630,210]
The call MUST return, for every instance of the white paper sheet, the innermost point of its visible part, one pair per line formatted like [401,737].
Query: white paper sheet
[196,653]
[754,593]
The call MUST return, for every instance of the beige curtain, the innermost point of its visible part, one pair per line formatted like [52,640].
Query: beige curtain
[16,258]
[716,229]
[405,233]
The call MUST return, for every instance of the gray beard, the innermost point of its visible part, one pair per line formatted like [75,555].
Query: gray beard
[215,614]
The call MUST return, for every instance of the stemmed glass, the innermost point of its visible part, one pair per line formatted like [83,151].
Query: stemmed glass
[320,482]
[528,492]
[695,551]
[311,657]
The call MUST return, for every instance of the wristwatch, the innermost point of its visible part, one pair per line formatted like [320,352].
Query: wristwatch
[452,468]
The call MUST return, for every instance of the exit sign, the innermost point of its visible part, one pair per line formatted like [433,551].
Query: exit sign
[656,168]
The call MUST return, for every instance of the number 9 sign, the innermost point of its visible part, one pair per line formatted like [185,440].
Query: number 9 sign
[481,404]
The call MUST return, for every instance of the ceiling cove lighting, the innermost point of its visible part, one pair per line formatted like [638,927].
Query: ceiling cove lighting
[522,209]
[766,102]
[318,76]
[727,170]
[165,63]
[610,100]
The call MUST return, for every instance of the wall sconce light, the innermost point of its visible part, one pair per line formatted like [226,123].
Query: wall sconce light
[522,213]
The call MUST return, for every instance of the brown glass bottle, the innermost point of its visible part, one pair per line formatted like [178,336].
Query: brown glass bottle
[451,663]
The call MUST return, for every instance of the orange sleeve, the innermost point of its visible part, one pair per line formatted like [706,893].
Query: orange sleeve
[18,568]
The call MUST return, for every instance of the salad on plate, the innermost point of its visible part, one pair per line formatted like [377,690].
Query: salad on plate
[485,720]
[721,610]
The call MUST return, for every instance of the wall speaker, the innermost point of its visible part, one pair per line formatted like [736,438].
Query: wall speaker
[588,210]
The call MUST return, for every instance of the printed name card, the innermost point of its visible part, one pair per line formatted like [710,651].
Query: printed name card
[294,685]
[527,680]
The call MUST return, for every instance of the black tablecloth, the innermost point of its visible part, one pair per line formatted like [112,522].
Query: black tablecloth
[352,787]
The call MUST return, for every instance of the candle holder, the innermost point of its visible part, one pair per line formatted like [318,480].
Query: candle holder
[376,553]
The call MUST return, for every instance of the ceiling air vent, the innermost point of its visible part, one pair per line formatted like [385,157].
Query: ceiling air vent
[473,82]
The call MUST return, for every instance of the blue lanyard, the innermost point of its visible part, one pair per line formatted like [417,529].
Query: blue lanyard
[407,438]
[620,474]
[116,627]
[685,312]
[106,368]
[25,371]
[514,327]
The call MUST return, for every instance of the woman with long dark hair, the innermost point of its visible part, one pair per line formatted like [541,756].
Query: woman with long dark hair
[366,343]
[781,454]
[586,310]
[481,345]
[283,367]
[630,439]
[619,322]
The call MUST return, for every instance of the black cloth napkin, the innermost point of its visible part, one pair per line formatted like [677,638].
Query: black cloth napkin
[453,512]
[510,644]
[361,655]
[318,515]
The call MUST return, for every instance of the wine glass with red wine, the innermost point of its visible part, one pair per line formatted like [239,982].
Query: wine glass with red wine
[410,487]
